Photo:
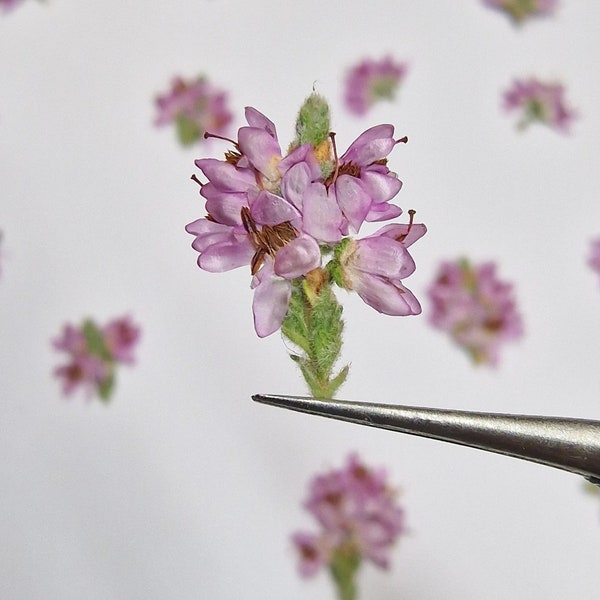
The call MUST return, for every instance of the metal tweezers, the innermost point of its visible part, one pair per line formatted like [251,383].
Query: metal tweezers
[569,444]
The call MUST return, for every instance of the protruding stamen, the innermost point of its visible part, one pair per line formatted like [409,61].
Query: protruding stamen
[402,140]
[208,135]
[411,216]
[194,178]
[335,156]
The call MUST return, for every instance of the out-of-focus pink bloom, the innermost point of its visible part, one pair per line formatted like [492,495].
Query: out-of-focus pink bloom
[93,355]
[7,5]
[594,256]
[476,308]
[539,102]
[520,10]
[121,337]
[374,266]
[371,81]
[195,107]
[358,515]
[84,371]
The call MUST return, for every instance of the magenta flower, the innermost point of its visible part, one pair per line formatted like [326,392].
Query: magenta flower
[359,519]
[275,212]
[476,308]
[370,81]
[374,266]
[94,353]
[520,10]
[539,102]
[195,107]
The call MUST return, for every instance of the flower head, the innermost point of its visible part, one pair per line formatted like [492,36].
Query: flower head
[539,102]
[371,81]
[475,307]
[277,212]
[358,515]
[93,353]
[195,107]
[521,10]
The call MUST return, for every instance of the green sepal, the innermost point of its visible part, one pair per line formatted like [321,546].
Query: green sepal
[313,122]
[95,341]
[188,132]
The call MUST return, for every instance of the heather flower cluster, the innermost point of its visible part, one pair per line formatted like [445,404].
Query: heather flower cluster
[195,107]
[94,353]
[359,520]
[371,81]
[521,10]
[539,102]
[289,216]
[476,308]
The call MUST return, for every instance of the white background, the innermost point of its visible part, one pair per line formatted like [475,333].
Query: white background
[182,487]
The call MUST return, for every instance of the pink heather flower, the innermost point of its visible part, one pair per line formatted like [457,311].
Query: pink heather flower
[371,81]
[374,266]
[274,212]
[520,10]
[541,102]
[358,515]
[594,257]
[476,308]
[195,106]
[93,353]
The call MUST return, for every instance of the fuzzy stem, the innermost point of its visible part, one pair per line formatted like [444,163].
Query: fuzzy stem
[314,324]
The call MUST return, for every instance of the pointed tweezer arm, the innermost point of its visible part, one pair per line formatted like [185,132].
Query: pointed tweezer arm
[569,444]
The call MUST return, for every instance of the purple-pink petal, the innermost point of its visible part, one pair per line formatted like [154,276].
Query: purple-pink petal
[386,297]
[271,300]
[226,255]
[271,209]
[255,118]
[372,145]
[261,149]
[352,199]
[226,176]
[297,258]
[404,233]
[322,215]
[383,256]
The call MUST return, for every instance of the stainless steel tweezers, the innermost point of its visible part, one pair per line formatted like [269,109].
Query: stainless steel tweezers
[569,444]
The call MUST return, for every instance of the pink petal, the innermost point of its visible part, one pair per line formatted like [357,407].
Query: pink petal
[257,119]
[226,255]
[225,176]
[303,154]
[381,187]
[271,300]
[322,216]
[270,209]
[261,149]
[352,200]
[399,230]
[374,144]
[294,183]
[226,207]
[385,297]
[383,212]
[383,256]
[297,258]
